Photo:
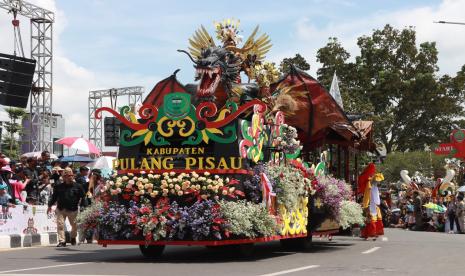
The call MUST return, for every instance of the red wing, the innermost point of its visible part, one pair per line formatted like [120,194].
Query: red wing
[168,85]
[318,114]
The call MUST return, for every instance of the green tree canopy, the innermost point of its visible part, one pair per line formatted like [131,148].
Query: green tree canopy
[399,83]
[10,144]
[298,60]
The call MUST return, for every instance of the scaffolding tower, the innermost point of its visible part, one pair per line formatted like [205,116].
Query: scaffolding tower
[42,86]
[96,97]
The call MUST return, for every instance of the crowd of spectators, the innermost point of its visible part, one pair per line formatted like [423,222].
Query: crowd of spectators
[41,181]
[417,210]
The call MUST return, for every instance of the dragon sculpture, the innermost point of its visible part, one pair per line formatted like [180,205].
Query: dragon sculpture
[218,68]
[304,102]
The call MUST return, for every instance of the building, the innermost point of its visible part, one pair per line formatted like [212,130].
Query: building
[58,131]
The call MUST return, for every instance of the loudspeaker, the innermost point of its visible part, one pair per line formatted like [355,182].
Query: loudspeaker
[16,74]
[111,127]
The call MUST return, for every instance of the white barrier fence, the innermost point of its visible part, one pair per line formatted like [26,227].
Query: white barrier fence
[32,220]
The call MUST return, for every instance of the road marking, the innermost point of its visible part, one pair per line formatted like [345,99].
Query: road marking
[385,239]
[56,275]
[42,267]
[290,270]
[371,250]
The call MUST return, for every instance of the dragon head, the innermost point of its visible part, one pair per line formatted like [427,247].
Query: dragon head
[215,65]
[222,64]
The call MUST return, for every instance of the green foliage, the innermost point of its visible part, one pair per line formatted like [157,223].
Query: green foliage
[298,60]
[10,144]
[248,219]
[398,82]
[427,163]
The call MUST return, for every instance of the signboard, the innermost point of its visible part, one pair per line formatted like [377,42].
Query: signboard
[177,136]
[33,220]
[456,147]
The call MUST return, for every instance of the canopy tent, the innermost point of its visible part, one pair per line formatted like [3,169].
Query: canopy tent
[76,158]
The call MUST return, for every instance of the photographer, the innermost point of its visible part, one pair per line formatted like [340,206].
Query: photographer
[32,188]
[95,182]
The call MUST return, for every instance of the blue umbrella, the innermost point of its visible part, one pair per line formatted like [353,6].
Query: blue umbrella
[76,158]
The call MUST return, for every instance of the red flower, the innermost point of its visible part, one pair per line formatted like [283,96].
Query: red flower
[233,182]
[154,220]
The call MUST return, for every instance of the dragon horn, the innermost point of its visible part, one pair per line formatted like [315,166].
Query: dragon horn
[189,55]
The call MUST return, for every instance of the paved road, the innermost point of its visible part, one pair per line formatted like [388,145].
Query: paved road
[398,253]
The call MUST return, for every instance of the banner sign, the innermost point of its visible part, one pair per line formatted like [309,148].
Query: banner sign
[180,136]
[32,220]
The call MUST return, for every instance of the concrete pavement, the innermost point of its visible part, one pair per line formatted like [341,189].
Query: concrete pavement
[400,252]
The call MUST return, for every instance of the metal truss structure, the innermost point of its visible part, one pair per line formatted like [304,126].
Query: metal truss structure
[42,51]
[96,101]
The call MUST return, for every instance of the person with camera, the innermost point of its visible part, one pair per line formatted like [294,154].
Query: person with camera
[67,195]
[95,182]
[32,188]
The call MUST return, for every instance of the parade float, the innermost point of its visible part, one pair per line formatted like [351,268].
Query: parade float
[219,162]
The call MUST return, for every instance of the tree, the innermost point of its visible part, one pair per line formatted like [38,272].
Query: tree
[13,128]
[334,58]
[430,165]
[398,81]
[298,60]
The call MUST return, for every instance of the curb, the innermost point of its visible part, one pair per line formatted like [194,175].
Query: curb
[28,240]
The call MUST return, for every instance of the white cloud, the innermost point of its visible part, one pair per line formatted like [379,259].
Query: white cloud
[450,38]
[71,82]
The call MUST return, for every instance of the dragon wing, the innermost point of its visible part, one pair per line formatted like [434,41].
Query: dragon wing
[256,46]
[200,40]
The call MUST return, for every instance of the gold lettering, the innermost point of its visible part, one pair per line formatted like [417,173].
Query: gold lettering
[223,164]
[115,164]
[133,163]
[175,151]
[193,151]
[200,150]
[162,151]
[149,151]
[123,164]
[200,163]
[144,164]
[239,165]
[190,161]
[181,151]
[166,165]
[210,163]
[155,163]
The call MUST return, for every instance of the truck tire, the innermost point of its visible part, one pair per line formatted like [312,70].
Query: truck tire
[151,251]
[245,250]
[304,243]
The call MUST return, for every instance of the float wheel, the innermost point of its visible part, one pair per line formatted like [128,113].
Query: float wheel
[151,251]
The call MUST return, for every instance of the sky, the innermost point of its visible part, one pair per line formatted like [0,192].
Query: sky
[102,44]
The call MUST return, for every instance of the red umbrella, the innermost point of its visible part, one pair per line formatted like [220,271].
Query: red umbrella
[79,143]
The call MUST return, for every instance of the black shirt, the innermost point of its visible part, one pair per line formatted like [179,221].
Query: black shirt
[32,188]
[82,181]
[67,196]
